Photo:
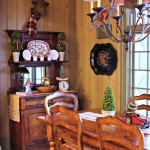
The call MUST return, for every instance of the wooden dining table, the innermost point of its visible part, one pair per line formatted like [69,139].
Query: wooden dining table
[90,136]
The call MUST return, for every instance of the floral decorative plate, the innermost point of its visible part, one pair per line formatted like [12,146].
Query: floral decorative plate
[26,54]
[103,59]
[38,48]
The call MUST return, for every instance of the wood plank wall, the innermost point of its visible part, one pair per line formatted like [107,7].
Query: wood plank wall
[91,87]
[70,17]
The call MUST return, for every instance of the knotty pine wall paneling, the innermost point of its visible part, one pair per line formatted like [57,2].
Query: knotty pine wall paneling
[72,43]
[4,78]
[92,86]
[14,15]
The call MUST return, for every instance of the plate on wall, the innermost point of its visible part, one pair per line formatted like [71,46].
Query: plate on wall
[103,59]
[26,54]
[38,48]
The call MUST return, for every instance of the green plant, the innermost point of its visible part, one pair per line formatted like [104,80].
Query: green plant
[108,103]
[61,45]
[16,44]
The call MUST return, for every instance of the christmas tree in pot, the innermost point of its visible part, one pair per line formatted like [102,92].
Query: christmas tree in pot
[108,104]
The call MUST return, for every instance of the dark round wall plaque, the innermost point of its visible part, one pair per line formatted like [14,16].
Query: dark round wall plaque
[103,59]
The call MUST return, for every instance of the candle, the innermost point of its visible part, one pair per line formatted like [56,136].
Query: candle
[117,9]
[140,1]
[98,3]
[92,4]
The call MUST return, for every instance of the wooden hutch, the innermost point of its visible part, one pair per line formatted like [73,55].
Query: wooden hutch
[29,133]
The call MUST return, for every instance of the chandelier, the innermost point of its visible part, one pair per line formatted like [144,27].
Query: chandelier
[101,18]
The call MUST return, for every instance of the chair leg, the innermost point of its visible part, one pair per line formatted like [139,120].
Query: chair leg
[52,144]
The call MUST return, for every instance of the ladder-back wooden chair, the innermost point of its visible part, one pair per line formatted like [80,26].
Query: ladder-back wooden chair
[140,98]
[68,100]
[68,129]
[115,134]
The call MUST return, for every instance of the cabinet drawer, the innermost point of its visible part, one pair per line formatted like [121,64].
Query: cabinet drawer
[27,104]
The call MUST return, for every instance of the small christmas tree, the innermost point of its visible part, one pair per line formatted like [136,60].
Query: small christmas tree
[108,103]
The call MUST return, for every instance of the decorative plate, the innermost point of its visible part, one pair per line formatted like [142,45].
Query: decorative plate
[54,54]
[38,48]
[103,59]
[26,54]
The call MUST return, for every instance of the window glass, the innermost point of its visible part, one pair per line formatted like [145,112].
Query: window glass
[138,91]
[140,79]
[140,60]
[140,46]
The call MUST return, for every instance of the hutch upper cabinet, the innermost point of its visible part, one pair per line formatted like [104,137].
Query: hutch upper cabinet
[51,39]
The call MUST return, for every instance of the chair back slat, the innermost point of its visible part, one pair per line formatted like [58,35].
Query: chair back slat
[140,98]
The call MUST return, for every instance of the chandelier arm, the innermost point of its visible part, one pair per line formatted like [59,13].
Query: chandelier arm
[135,26]
[118,28]
[108,36]
[147,28]
[105,30]
[111,37]
[134,41]
[143,28]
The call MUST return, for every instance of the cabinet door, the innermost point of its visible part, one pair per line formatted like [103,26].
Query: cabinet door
[35,130]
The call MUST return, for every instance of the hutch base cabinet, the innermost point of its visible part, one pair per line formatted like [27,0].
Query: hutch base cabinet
[29,133]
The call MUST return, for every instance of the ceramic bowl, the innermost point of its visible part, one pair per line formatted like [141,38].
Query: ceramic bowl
[46,89]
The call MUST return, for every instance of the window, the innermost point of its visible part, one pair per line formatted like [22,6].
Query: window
[140,69]
[139,66]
